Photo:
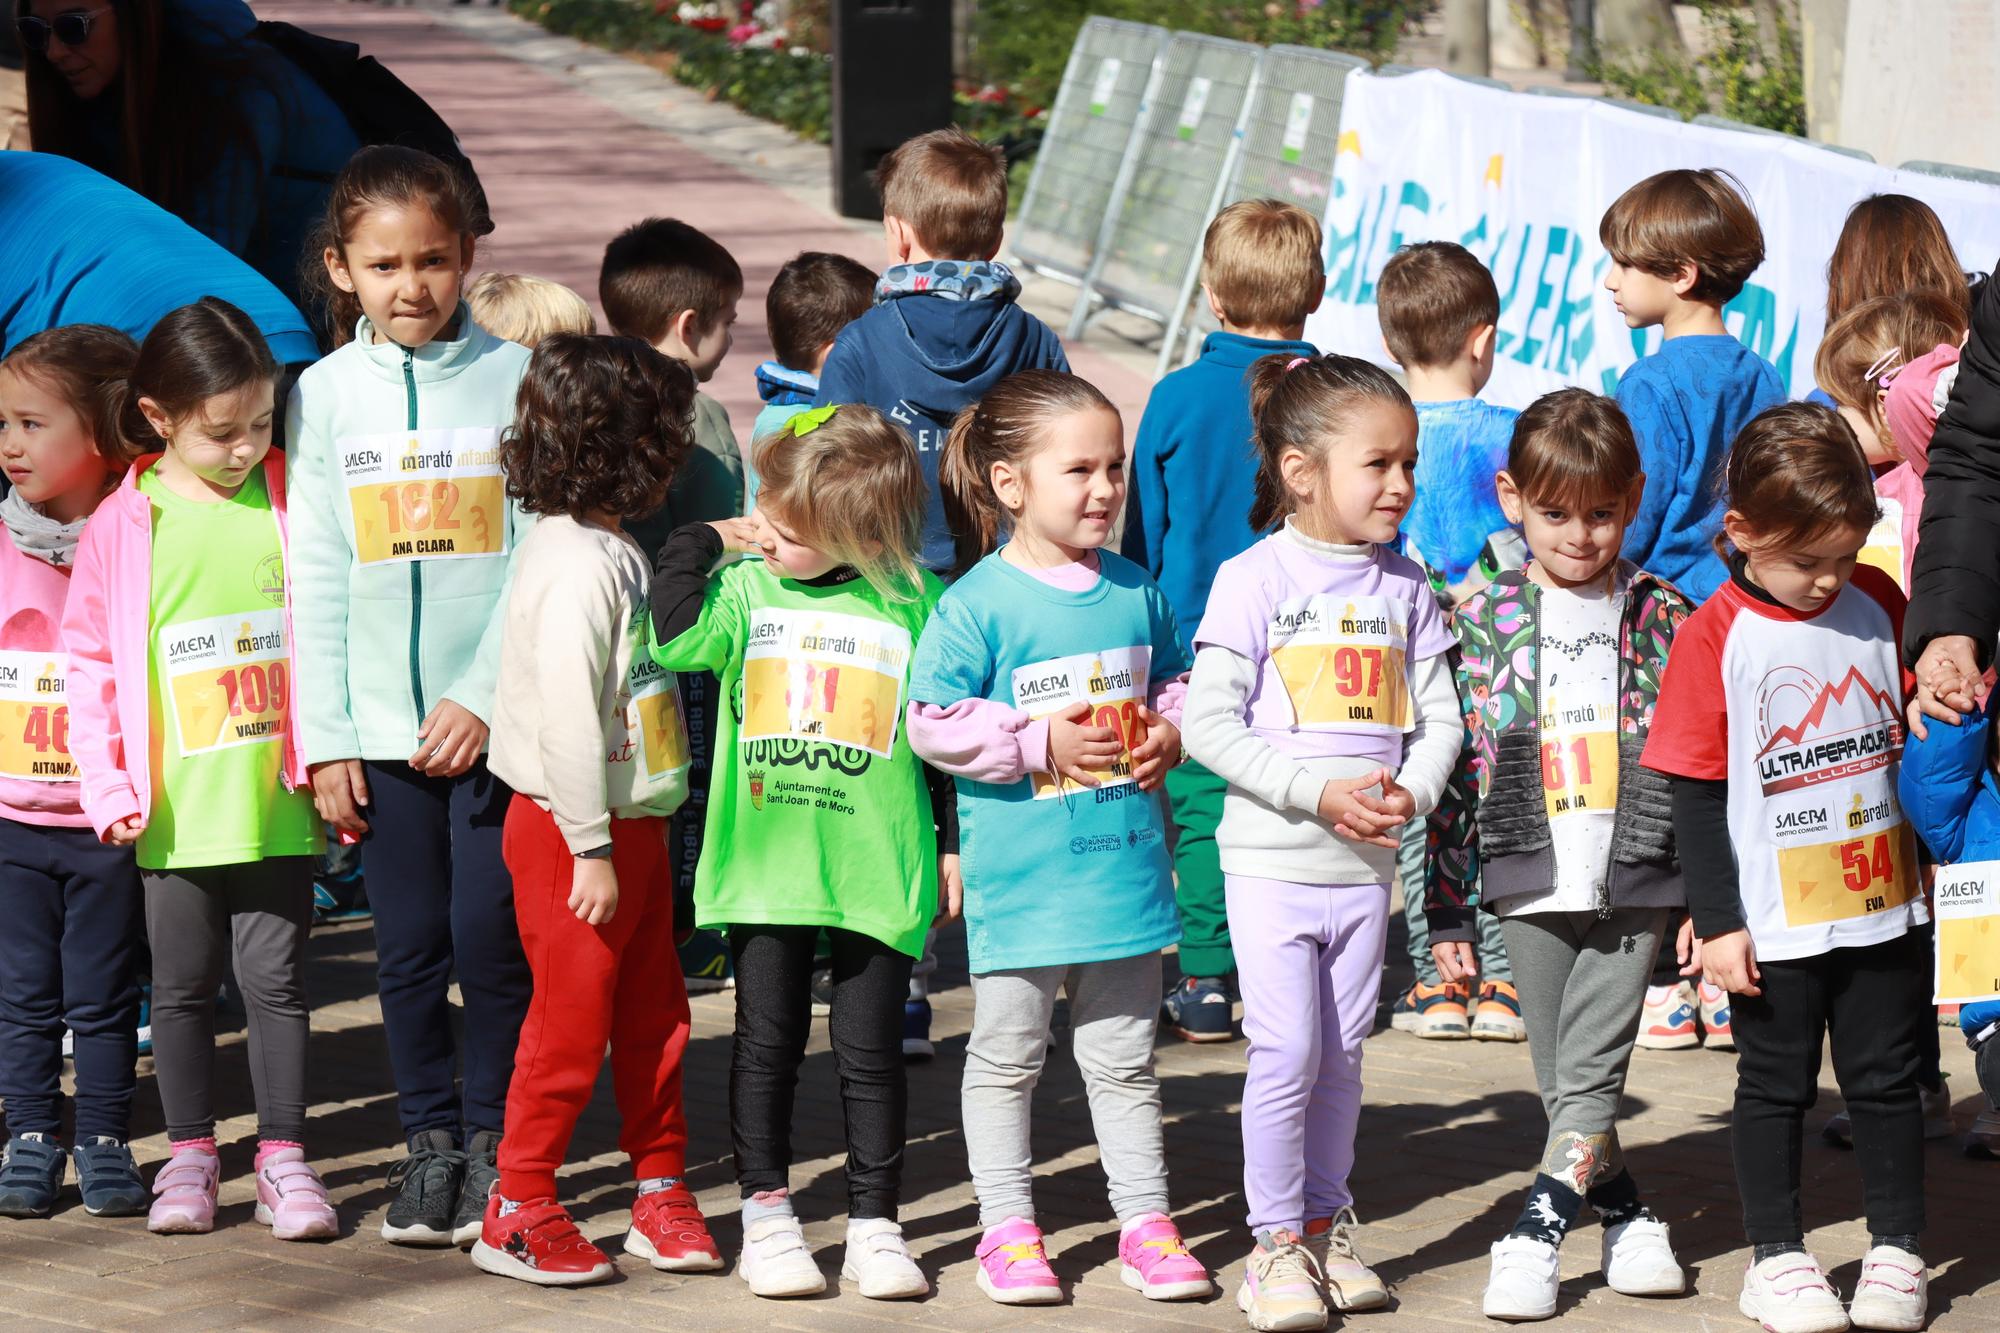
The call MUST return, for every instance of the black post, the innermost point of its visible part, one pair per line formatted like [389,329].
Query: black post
[891,82]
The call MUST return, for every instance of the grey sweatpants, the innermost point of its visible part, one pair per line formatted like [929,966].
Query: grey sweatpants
[191,916]
[1113,1007]
[1581,980]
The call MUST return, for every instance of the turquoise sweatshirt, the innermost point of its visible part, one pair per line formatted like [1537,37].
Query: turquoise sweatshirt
[402,536]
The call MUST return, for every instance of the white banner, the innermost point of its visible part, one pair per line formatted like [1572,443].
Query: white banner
[1522,181]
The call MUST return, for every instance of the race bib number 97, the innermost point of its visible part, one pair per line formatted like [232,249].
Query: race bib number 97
[34,720]
[427,495]
[824,677]
[228,679]
[1341,661]
[1113,683]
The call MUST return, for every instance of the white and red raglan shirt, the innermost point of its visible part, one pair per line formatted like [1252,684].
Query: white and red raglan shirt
[1803,716]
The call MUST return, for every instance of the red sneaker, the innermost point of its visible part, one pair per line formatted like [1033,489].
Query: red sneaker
[537,1242]
[669,1232]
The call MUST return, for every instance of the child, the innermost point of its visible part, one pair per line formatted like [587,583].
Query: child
[822,816]
[813,298]
[186,733]
[1682,244]
[405,542]
[1440,311]
[1892,243]
[73,904]
[946,327]
[1779,722]
[1049,682]
[1561,671]
[587,733]
[526,310]
[1323,694]
[1185,514]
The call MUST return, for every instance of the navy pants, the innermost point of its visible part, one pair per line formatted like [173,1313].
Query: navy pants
[71,921]
[443,900]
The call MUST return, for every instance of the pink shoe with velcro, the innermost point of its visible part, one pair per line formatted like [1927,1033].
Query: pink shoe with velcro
[291,1198]
[1154,1261]
[184,1193]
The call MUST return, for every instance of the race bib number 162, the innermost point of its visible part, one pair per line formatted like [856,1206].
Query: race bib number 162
[427,495]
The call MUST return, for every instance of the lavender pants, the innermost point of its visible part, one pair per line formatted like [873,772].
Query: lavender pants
[1309,964]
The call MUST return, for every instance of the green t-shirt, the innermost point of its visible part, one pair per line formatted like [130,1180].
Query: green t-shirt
[818,813]
[219,673]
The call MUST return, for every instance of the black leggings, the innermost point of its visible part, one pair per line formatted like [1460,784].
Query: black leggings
[1869,1002]
[774,966]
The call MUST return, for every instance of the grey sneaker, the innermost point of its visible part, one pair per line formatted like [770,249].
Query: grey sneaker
[426,1182]
[482,1173]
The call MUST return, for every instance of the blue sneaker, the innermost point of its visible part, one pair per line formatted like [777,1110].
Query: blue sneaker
[1198,1009]
[30,1174]
[917,1031]
[109,1179]
[706,963]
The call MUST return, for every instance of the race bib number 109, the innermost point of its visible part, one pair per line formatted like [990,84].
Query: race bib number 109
[427,495]
[228,679]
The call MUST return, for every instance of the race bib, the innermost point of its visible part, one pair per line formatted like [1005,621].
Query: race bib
[824,676]
[426,495]
[34,719]
[654,727]
[228,679]
[1112,682]
[1579,757]
[1341,661]
[1870,872]
[1965,902]
[1884,547]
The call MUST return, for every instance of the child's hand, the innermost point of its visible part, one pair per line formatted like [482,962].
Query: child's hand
[951,889]
[738,534]
[1160,751]
[1346,804]
[1730,961]
[449,741]
[340,789]
[1457,961]
[125,832]
[1687,948]
[593,891]
[1949,682]
[1080,753]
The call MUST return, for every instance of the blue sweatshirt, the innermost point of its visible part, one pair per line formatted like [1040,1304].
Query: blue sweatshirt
[1194,471]
[1461,446]
[1950,797]
[1686,403]
[941,334]
[786,393]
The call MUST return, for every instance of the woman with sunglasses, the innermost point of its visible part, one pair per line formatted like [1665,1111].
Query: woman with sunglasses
[179,100]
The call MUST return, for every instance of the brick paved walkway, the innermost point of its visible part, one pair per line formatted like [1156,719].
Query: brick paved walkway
[1449,1131]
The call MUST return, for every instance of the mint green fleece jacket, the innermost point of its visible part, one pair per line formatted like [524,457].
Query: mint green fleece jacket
[382,640]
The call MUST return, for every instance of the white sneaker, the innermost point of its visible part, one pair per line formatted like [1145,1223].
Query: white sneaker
[880,1262]
[1893,1291]
[777,1261]
[1639,1259]
[1524,1280]
[1789,1293]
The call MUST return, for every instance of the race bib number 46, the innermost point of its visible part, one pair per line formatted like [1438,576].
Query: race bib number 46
[426,495]
[228,679]
[34,720]
[1341,660]
[1113,683]
[1966,902]
[1854,877]
[824,677]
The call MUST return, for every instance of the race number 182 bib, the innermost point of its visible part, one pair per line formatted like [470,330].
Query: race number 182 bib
[228,679]
[1966,904]
[824,676]
[34,720]
[1112,682]
[426,495]
[1341,660]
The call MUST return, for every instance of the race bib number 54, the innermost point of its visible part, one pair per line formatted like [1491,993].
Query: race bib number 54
[34,720]
[228,679]
[824,677]
[1112,682]
[426,495]
[1855,877]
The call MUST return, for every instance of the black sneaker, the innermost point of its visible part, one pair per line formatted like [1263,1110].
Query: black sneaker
[427,1181]
[482,1173]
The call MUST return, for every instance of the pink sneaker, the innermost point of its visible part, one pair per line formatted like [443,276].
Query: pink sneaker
[1155,1263]
[186,1188]
[291,1199]
[1013,1266]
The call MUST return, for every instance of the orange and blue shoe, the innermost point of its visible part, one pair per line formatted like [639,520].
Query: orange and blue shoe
[1714,1005]
[1435,1013]
[1667,1021]
[1498,1017]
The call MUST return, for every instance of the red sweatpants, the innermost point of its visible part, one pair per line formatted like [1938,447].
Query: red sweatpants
[618,983]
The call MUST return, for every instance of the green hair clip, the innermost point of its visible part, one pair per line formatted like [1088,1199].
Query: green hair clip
[805,423]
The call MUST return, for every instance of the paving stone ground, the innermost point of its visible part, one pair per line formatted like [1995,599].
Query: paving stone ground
[571,148]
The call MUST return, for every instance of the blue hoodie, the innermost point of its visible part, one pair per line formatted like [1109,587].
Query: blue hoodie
[941,334]
[786,393]
[1950,797]
[1194,471]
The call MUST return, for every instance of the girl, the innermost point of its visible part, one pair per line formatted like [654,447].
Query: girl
[1050,683]
[820,817]
[1779,722]
[186,735]
[1561,672]
[1892,243]
[588,733]
[72,904]
[1322,691]
[405,540]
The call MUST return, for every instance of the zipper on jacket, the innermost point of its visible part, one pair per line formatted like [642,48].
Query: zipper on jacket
[416,566]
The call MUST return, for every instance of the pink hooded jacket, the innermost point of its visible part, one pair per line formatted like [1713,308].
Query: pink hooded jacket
[1916,396]
[105,625]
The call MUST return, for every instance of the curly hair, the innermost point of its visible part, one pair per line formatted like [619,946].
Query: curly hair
[601,426]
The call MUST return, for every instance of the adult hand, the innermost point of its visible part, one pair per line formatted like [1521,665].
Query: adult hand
[1687,948]
[449,741]
[1949,682]
[340,789]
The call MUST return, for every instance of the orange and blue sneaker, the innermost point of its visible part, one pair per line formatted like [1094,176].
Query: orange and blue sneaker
[1013,1266]
[1155,1262]
[1498,1017]
[1667,1020]
[1714,1005]
[1435,1013]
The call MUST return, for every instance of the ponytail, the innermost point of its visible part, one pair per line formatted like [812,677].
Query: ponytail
[1304,403]
[1006,426]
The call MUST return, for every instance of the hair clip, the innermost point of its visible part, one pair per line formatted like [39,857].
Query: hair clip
[1884,367]
[1295,363]
[810,420]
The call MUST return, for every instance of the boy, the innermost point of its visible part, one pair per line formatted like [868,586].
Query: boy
[945,327]
[524,309]
[1682,245]
[1187,511]
[812,299]
[1440,311]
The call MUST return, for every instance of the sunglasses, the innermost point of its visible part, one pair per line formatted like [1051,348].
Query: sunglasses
[71,29]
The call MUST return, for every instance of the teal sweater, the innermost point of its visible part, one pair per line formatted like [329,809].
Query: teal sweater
[402,538]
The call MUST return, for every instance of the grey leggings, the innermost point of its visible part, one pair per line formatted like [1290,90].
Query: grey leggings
[191,915]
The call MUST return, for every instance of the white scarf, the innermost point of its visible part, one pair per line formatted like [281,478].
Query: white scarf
[36,534]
